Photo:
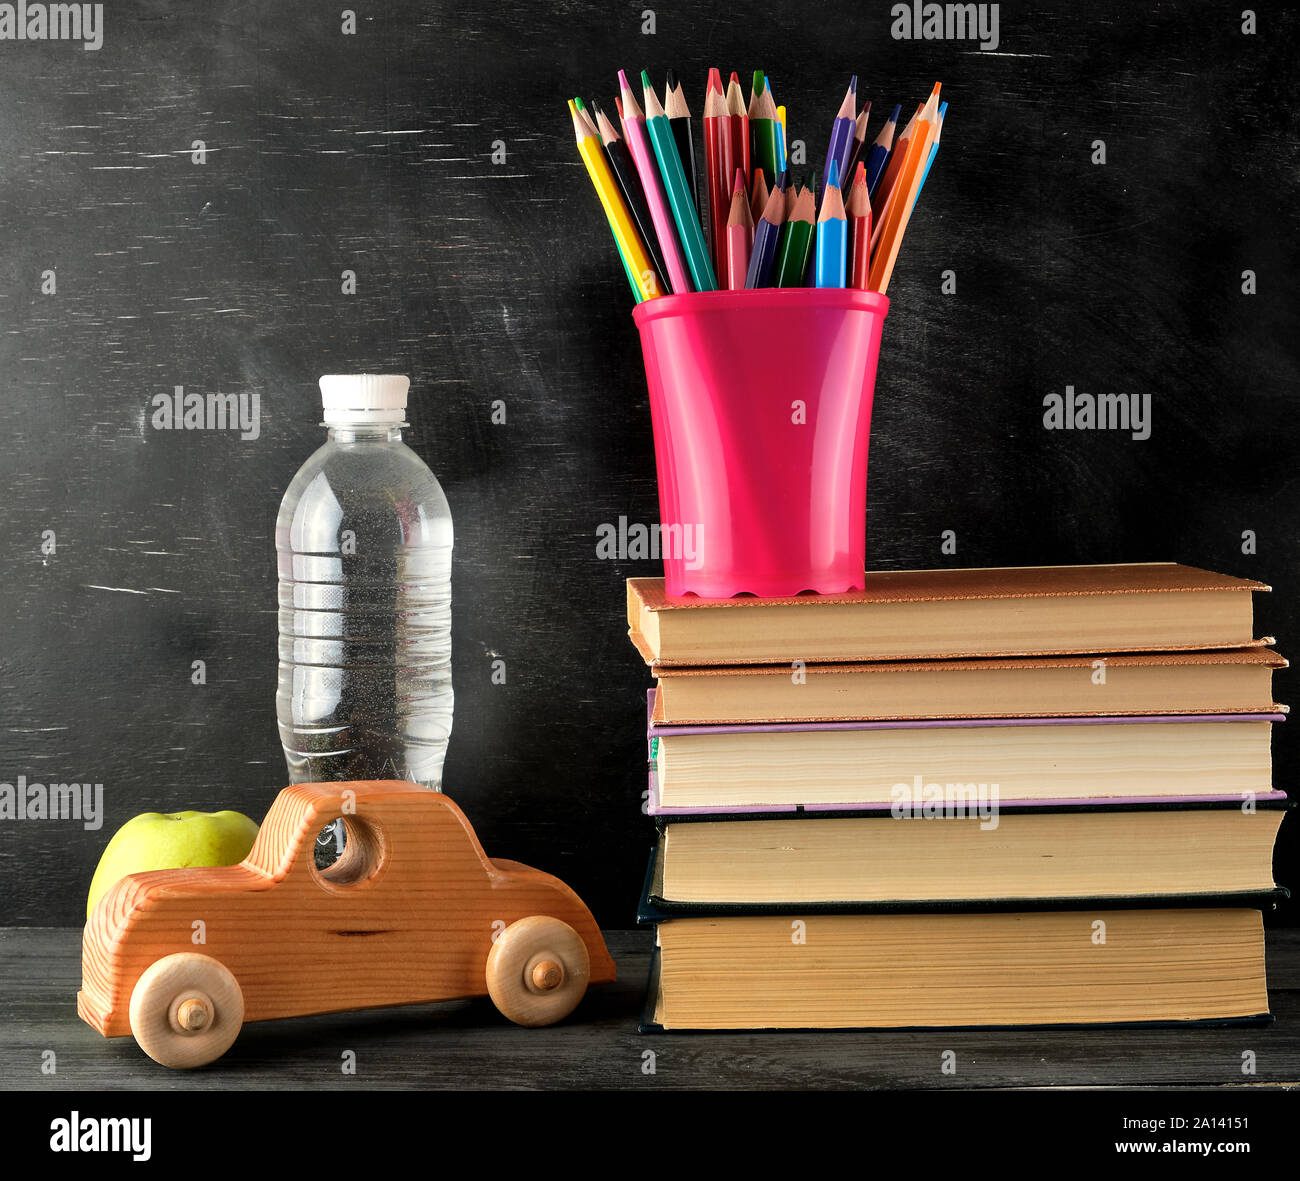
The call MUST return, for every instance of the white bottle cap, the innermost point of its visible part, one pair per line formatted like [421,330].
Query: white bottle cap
[378,398]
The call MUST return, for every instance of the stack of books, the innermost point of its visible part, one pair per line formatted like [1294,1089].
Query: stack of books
[961,797]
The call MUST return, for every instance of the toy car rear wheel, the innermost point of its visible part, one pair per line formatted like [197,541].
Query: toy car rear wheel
[186,1010]
[537,970]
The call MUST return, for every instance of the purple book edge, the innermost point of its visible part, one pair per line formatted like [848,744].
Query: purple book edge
[667,731]
[653,808]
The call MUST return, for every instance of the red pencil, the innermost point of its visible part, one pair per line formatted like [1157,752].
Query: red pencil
[858,209]
[740,236]
[738,122]
[719,165]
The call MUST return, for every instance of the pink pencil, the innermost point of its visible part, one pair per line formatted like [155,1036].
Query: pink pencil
[740,236]
[638,143]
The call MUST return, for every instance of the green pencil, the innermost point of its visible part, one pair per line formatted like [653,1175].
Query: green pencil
[679,194]
[795,247]
[763,130]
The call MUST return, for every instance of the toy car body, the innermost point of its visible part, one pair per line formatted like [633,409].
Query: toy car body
[412,911]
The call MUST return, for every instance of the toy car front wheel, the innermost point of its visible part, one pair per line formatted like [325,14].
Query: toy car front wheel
[537,970]
[186,1010]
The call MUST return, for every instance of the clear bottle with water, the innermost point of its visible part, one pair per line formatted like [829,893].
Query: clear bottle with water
[364,542]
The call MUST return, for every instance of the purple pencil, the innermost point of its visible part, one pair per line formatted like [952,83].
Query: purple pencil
[842,130]
[766,234]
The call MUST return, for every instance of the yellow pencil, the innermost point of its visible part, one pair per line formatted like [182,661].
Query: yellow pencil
[636,259]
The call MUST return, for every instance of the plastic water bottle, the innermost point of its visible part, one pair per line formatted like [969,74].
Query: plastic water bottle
[363,542]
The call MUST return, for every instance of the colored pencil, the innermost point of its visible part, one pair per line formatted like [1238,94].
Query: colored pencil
[586,124]
[624,169]
[832,258]
[679,198]
[781,162]
[738,123]
[792,192]
[884,195]
[934,148]
[718,163]
[878,156]
[637,262]
[763,132]
[767,233]
[758,195]
[740,235]
[900,208]
[859,137]
[795,247]
[638,144]
[679,118]
[842,129]
[858,210]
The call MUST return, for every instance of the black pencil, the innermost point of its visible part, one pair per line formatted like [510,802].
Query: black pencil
[629,183]
[679,119]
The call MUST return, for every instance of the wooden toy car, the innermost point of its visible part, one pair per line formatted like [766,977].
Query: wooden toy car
[413,910]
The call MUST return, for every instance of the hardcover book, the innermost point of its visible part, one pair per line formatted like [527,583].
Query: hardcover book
[925,614]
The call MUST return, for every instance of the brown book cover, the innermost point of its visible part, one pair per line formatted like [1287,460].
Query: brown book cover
[1236,680]
[937,614]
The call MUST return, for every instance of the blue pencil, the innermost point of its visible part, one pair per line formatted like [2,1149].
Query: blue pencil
[780,132]
[767,233]
[878,157]
[934,151]
[832,234]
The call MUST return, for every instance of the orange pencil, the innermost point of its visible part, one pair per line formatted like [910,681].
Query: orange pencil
[740,236]
[885,190]
[900,208]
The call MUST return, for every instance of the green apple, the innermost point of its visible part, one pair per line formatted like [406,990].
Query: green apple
[171,840]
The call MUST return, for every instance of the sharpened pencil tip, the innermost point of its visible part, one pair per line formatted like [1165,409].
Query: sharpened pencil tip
[853,84]
[898,114]
[623,83]
[672,78]
[715,79]
[833,175]
[645,79]
[739,186]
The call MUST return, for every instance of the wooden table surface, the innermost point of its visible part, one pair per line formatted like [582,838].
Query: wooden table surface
[466,1045]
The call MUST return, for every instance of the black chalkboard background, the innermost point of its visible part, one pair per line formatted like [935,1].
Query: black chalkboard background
[372,152]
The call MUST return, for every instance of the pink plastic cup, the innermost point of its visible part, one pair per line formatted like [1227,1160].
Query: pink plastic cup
[761,407]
